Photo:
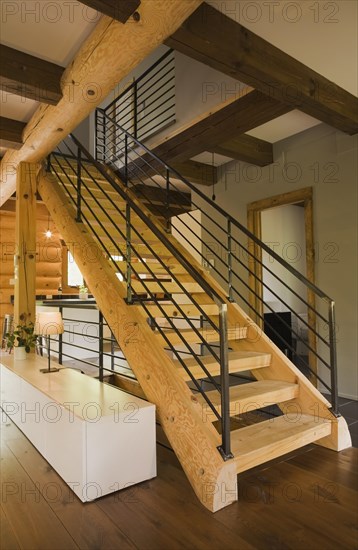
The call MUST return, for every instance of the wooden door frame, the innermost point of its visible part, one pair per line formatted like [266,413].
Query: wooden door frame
[254,209]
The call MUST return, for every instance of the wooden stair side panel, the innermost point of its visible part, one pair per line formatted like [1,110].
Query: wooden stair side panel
[194,441]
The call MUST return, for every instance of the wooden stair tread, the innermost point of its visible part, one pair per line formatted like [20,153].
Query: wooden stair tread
[253,395]
[190,310]
[209,335]
[239,361]
[256,444]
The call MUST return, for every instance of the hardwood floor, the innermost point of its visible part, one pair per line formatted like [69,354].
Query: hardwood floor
[308,501]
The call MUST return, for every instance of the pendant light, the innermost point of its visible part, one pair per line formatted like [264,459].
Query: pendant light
[48,232]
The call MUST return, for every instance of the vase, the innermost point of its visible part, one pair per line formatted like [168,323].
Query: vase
[20,353]
[83,295]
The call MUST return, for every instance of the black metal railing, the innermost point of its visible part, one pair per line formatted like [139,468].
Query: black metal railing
[240,262]
[112,215]
[147,105]
[87,344]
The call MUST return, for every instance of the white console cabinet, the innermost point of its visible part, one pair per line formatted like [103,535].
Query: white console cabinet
[98,438]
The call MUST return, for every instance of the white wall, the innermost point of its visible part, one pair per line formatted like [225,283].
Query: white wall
[326,160]
[283,230]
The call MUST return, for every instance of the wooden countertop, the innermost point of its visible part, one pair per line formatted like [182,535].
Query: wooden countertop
[86,397]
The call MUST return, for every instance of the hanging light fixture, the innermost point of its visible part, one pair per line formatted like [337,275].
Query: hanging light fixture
[213,165]
[48,232]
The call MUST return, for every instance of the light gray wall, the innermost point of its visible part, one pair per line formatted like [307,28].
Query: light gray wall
[326,160]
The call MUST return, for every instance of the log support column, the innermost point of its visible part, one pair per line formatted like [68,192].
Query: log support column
[25,237]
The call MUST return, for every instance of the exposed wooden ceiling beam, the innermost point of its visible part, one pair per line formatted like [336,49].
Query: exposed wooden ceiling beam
[197,172]
[116,9]
[213,38]
[226,121]
[28,76]
[11,133]
[106,56]
[247,149]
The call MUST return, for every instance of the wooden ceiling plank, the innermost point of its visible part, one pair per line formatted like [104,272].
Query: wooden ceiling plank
[11,133]
[120,10]
[28,76]
[234,50]
[247,149]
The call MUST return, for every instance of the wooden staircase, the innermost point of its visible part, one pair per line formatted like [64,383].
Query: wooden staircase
[188,421]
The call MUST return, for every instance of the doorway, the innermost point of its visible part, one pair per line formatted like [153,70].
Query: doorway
[285,223]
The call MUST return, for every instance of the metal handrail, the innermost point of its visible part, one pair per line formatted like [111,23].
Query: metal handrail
[228,217]
[148,164]
[81,170]
[156,84]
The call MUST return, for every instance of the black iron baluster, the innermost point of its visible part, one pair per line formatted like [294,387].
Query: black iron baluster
[135,110]
[79,183]
[167,202]
[225,448]
[126,160]
[333,357]
[229,260]
[100,345]
[128,254]
[60,341]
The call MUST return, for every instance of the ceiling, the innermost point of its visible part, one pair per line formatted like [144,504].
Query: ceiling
[52,31]
[322,35]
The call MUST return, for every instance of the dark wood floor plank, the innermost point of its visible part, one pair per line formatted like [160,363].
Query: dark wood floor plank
[306,501]
[8,540]
[342,467]
[30,517]
[88,525]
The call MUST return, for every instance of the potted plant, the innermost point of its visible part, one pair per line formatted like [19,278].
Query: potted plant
[83,292]
[21,338]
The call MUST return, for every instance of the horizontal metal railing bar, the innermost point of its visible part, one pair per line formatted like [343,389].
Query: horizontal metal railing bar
[151,128]
[143,75]
[91,210]
[192,353]
[140,122]
[298,337]
[141,92]
[177,305]
[156,99]
[227,216]
[151,250]
[276,295]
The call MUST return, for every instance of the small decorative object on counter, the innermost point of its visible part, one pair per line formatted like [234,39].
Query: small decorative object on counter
[83,292]
[21,338]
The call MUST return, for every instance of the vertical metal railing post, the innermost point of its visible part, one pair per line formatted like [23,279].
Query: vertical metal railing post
[333,356]
[135,110]
[167,201]
[225,448]
[229,259]
[100,345]
[128,230]
[128,254]
[126,159]
[79,182]
[60,341]
[112,351]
